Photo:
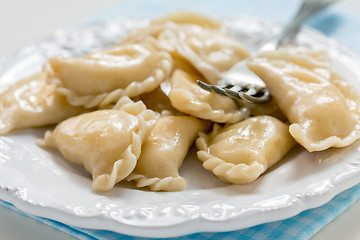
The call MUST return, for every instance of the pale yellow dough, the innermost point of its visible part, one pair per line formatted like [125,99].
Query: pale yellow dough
[102,78]
[106,142]
[32,102]
[183,17]
[158,25]
[202,41]
[186,96]
[210,51]
[322,108]
[164,151]
[241,152]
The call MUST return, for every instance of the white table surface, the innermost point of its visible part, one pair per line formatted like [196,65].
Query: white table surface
[23,21]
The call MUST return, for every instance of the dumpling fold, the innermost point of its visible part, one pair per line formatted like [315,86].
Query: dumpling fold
[186,96]
[102,78]
[32,102]
[323,109]
[164,151]
[106,142]
[241,152]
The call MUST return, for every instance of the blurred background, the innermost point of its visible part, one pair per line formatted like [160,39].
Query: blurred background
[22,21]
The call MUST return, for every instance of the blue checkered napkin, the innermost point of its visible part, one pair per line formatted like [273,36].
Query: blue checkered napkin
[301,227]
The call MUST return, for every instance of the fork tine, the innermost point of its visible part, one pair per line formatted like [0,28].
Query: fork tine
[264,98]
[233,94]
[232,83]
[236,93]
[211,88]
[239,95]
[251,98]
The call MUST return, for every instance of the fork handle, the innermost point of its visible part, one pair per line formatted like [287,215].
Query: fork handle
[307,9]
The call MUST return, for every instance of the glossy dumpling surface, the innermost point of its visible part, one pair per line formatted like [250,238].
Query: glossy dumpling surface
[241,152]
[210,51]
[186,96]
[32,102]
[203,42]
[104,77]
[106,142]
[164,151]
[322,108]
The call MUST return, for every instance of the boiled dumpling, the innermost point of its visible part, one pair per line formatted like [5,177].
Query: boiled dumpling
[141,34]
[186,96]
[183,17]
[103,77]
[32,102]
[203,42]
[322,108]
[106,142]
[164,151]
[158,25]
[241,152]
[210,51]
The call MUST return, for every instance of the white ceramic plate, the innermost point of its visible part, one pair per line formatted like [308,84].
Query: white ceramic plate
[44,184]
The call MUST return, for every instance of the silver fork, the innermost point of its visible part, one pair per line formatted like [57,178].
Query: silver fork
[240,82]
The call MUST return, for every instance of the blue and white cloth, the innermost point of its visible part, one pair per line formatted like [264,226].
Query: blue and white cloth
[302,226]
[333,21]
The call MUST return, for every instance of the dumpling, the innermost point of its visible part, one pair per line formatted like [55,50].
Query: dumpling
[106,142]
[183,17]
[203,42]
[270,108]
[141,34]
[186,96]
[210,51]
[32,102]
[158,25]
[241,152]
[322,108]
[164,151]
[102,78]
